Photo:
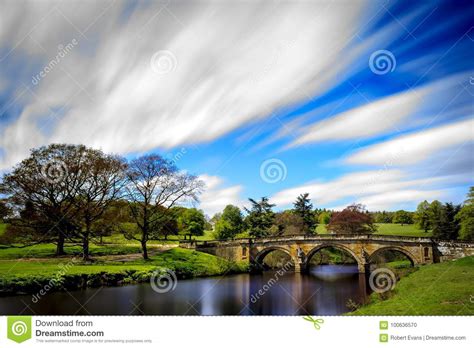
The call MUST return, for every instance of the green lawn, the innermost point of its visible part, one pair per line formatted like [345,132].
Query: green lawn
[389,230]
[438,289]
[48,250]
[30,276]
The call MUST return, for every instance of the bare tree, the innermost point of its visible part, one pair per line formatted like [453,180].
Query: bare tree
[154,183]
[102,179]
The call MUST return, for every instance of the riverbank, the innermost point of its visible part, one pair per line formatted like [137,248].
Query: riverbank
[437,289]
[22,276]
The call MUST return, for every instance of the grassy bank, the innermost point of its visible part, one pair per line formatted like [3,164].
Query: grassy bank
[27,276]
[438,289]
[389,230]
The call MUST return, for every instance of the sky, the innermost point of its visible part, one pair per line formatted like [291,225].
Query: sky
[365,102]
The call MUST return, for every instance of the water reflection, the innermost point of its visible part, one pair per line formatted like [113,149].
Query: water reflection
[324,291]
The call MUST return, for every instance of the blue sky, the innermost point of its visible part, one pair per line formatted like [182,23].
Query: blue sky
[361,101]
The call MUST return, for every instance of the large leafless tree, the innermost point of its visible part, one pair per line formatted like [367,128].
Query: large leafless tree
[154,183]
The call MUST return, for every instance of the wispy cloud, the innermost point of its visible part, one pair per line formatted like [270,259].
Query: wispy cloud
[228,64]
[416,147]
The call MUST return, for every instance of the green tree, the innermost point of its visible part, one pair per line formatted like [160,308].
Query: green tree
[446,226]
[324,217]
[436,216]
[192,222]
[41,189]
[260,218]
[422,216]
[304,209]
[402,217]
[230,223]
[465,217]
[384,217]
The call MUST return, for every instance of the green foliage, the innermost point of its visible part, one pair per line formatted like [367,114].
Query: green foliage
[465,217]
[304,209]
[260,218]
[422,216]
[383,217]
[444,223]
[324,217]
[402,217]
[230,223]
[192,222]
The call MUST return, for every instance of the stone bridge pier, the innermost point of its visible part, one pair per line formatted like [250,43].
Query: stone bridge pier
[362,248]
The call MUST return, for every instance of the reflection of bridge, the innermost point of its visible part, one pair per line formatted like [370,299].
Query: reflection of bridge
[363,248]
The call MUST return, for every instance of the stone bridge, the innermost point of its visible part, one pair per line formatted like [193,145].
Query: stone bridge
[363,248]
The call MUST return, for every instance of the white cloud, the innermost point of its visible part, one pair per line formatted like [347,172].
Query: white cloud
[387,114]
[415,147]
[369,188]
[364,121]
[235,62]
[391,200]
[216,196]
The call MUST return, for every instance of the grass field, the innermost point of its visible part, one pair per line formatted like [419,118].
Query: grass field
[29,276]
[390,230]
[437,289]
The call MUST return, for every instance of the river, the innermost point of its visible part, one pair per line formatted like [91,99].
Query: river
[324,291]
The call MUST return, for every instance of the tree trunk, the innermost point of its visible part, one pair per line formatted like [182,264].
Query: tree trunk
[144,250]
[85,246]
[60,246]
[85,241]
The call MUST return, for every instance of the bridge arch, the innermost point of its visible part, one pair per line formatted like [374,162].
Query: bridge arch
[313,251]
[258,259]
[401,250]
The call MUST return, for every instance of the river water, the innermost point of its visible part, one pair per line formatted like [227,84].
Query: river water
[324,291]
